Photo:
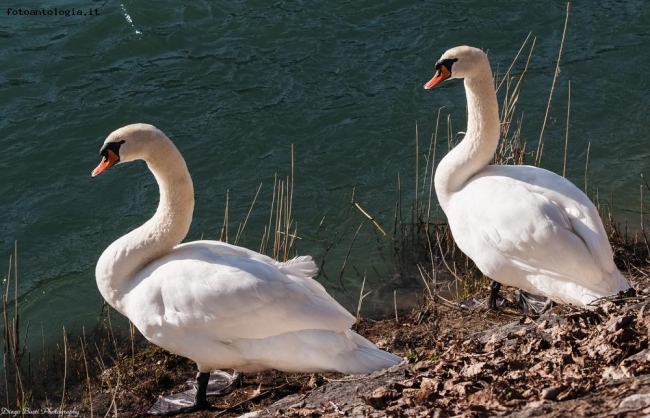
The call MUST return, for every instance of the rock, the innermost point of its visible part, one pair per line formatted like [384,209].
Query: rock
[380,397]
[551,393]
[637,401]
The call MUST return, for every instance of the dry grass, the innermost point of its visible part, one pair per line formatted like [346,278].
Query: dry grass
[16,358]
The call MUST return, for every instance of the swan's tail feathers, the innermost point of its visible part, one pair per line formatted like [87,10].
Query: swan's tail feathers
[610,285]
[313,351]
[303,266]
[622,281]
[366,357]
[614,284]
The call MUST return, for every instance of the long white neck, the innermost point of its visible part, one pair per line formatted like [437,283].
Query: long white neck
[481,139]
[156,237]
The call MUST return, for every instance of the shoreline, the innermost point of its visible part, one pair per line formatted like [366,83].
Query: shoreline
[450,369]
[458,362]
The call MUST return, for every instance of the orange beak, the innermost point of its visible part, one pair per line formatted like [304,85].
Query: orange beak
[107,162]
[441,75]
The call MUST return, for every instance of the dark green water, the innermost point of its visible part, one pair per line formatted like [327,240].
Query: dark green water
[235,83]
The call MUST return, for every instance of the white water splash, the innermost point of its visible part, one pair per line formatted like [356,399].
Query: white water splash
[128,19]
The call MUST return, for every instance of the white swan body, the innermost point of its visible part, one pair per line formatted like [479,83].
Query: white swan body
[220,305]
[523,226]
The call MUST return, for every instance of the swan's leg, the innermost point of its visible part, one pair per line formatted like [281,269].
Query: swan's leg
[237,379]
[201,399]
[494,293]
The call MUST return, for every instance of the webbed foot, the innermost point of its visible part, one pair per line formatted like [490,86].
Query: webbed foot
[217,383]
[533,303]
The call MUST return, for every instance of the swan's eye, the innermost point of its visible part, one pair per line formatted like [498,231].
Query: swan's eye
[104,154]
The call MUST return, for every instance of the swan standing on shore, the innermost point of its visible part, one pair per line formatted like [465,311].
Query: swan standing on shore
[523,226]
[220,305]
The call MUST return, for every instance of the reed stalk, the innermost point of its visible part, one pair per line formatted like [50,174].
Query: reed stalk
[540,143]
[566,135]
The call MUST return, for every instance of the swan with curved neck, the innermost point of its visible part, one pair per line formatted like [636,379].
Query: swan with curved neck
[221,305]
[523,226]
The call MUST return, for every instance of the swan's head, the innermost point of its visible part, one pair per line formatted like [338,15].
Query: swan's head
[129,143]
[459,62]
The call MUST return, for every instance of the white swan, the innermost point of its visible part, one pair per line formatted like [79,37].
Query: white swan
[220,305]
[523,226]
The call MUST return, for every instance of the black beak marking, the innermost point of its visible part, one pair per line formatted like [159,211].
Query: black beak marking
[447,63]
[111,146]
